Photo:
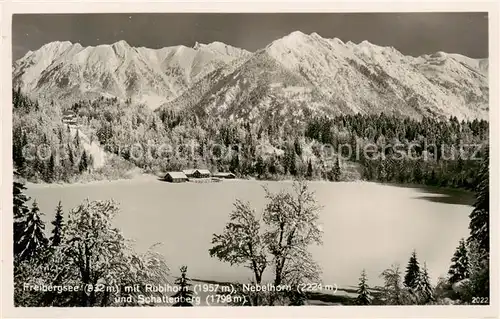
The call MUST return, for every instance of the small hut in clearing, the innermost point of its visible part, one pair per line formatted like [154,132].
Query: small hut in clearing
[69,117]
[224,175]
[201,173]
[176,177]
[189,172]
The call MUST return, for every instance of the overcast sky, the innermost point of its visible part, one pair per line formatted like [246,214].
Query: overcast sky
[411,33]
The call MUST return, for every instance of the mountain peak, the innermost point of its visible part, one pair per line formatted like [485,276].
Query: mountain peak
[218,47]
[122,44]
[290,40]
[48,51]
[297,36]
[297,33]
[337,41]
[439,54]
[56,45]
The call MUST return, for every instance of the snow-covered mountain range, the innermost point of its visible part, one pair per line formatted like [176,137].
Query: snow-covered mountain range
[63,70]
[295,76]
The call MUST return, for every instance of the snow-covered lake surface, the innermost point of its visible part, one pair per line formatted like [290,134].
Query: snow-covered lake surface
[366,225]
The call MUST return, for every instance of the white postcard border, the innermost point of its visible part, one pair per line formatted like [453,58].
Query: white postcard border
[9,8]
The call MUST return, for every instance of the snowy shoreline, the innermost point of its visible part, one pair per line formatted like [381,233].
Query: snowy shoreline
[145,177]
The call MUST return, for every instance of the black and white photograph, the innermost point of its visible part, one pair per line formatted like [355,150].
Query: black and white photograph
[182,159]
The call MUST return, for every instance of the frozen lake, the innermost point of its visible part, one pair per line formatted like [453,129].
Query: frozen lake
[366,225]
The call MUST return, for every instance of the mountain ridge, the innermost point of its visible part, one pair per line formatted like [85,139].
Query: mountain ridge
[302,73]
[328,76]
[113,69]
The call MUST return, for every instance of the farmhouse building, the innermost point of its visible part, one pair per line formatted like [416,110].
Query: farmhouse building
[69,117]
[224,175]
[175,177]
[201,173]
[189,172]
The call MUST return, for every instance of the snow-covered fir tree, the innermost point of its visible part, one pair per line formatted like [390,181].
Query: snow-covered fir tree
[478,241]
[364,297]
[20,211]
[336,170]
[459,268]
[55,239]
[184,294]
[309,172]
[33,238]
[480,216]
[83,162]
[424,288]
[412,272]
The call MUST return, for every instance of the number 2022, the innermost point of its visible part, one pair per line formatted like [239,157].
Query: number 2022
[480,300]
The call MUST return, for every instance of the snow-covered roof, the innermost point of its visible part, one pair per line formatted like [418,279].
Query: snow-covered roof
[189,171]
[203,171]
[176,174]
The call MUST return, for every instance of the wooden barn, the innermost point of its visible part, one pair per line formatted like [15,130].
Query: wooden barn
[189,172]
[176,177]
[224,175]
[69,117]
[201,173]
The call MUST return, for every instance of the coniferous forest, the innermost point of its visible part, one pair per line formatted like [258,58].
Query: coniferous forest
[378,148]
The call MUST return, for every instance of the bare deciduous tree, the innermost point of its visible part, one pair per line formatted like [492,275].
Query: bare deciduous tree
[241,241]
[293,225]
[291,222]
[393,285]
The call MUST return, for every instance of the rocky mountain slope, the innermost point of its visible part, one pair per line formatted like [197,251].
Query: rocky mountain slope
[66,71]
[303,74]
[293,77]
